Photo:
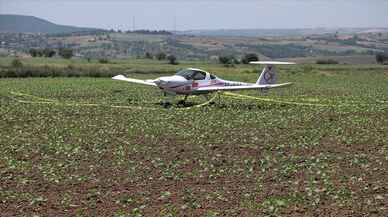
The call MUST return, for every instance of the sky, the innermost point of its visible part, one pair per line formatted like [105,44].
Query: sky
[201,14]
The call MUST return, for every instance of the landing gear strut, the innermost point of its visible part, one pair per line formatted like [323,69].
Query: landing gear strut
[166,103]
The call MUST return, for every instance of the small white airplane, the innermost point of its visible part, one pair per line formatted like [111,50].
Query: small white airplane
[193,81]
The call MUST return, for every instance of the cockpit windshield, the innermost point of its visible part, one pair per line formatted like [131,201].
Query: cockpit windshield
[190,74]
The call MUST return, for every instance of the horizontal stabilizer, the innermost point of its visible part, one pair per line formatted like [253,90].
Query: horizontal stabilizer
[272,63]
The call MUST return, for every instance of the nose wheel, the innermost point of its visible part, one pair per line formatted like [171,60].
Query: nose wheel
[183,101]
[167,101]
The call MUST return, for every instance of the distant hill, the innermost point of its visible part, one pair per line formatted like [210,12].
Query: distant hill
[30,24]
[279,32]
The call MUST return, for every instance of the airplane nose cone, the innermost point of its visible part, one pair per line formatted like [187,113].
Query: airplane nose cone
[161,82]
[170,81]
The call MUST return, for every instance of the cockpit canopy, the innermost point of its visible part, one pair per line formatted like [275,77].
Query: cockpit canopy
[193,74]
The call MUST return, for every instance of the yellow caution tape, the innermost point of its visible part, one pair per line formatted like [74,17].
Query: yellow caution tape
[31,96]
[203,104]
[44,101]
[239,96]
[80,104]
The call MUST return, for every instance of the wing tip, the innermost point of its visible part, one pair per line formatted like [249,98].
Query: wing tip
[118,77]
[286,84]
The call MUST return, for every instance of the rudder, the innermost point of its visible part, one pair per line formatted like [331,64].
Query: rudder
[267,76]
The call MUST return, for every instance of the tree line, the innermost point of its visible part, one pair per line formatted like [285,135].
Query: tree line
[227,60]
[231,60]
[162,56]
[66,53]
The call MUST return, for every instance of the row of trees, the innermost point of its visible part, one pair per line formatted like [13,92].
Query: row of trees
[246,59]
[149,32]
[327,61]
[66,53]
[226,60]
[162,56]
[42,52]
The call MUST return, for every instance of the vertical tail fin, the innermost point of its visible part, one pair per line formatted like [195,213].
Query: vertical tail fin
[268,76]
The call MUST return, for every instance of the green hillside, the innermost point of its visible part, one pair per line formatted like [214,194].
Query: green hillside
[30,24]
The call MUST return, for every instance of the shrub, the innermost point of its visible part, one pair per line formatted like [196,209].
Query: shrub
[228,61]
[8,73]
[48,52]
[148,55]
[42,52]
[16,63]
[38,53]
[224,59]
[70,70]
[250,57]
[172,60]
[103,61]
[66,53]
[328,61]
[33,52]
[380,58]
[161,56]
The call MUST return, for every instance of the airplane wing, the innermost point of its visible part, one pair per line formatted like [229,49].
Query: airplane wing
[132,80]
[236,88]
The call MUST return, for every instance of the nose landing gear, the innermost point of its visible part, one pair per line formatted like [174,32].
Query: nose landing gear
[183,101]
[166,103]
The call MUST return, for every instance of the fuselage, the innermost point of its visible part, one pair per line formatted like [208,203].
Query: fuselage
[187,81]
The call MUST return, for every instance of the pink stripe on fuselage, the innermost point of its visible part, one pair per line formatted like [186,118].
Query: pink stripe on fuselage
[216,84]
